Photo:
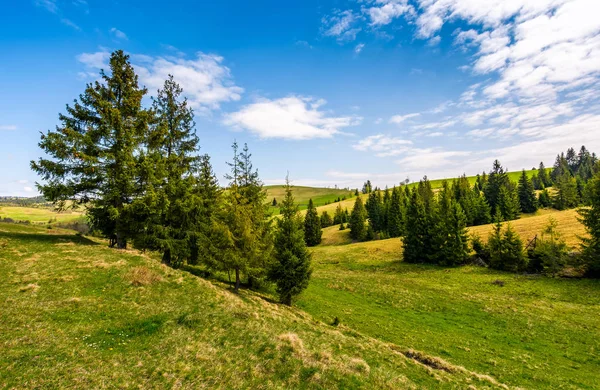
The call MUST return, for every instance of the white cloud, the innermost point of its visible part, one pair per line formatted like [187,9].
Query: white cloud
[70,23]
[341,25]
[8,127]
[118,34]
[27,189]
[49,5]
[397,119]
[292,117]
[387,10]
[359,48]
[206,82]
[382,145]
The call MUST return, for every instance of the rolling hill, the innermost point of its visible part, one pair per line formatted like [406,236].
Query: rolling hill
[77,314]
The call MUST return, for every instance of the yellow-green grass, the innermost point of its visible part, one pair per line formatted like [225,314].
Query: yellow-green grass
[76,314]
[38,214]
[320,196]
[530,332]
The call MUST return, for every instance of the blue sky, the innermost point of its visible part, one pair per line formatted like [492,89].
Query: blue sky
[335,92]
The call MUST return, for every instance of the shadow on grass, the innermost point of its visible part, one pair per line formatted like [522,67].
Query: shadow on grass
[30,238]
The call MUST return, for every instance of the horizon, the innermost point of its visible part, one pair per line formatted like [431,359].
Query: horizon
[333,92]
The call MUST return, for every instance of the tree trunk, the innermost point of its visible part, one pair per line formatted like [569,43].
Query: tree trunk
[121,241]
[237,279]
[166,258]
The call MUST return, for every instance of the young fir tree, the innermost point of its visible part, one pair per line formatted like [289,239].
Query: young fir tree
[93,151]
[395,216]
[496,180]
[339,216]
[527,199]
[326,219]
[274,202]
[374,208]
[291,269]
[506,249]
[544,199]
[508,203]
[591,221]
[312,225]
[357,222]
[171,153]
[242,238]
[543,176]
[566,195]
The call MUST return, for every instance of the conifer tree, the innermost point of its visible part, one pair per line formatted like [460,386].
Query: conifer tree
[450,234]
[416,237]
[312,225]
[543,176]
[506,249]
[242,237]
[274,202]
[544,199]
[496,180]
[591,221]
[374,208]
[508,203]
[291,269]
[527,199]
[395,220]
[358,217]
[339,216]
[93,151]
[172,161]
[326,219]
[566,195]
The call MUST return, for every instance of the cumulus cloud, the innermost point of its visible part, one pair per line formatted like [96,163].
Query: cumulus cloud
[384,11]
[292,117]
[206,82]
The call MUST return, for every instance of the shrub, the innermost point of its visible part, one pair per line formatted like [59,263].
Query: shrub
[550,253]
[506,250]
[482,251]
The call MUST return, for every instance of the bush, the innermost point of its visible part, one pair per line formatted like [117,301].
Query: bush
[550,253]
[482,251]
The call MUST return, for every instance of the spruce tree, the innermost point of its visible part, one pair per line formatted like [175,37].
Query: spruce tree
[496,180]
[291,269]
[544,199]
[93,151]
[506,249]
[543,176]
[395,220]
[312,225]
[326,219]
[508,203]
[416,237]
[566,195]
[171,156]
[358,217]
[452,244]
[527,199]
[591,221]
[242,236]
[374,208]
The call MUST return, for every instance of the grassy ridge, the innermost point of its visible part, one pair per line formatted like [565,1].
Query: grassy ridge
[320,196]
[532,331]
[76,314]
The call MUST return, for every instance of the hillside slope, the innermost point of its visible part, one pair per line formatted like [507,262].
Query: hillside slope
[76,314]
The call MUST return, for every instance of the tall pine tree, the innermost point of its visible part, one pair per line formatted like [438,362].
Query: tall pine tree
[357,222]
[93,151]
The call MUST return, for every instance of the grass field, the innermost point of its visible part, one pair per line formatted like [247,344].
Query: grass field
[531,332]
[35,214]
[320,196]
[76,314]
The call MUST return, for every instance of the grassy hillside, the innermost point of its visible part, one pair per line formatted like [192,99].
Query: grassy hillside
[76,314]
[37,214]
[526,331]
[320,196]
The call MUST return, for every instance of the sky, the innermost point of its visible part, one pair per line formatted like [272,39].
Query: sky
[333,92]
